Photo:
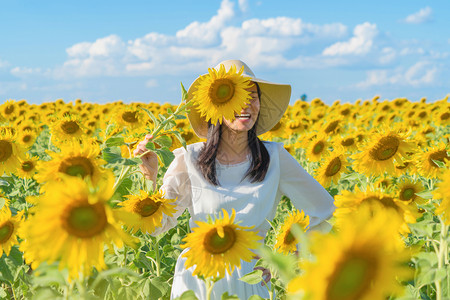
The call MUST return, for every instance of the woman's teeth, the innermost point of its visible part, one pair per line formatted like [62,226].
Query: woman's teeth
[243,116]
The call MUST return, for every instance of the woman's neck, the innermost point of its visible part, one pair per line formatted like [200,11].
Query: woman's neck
[233,146]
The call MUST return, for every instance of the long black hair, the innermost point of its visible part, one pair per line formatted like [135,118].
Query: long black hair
[206,161]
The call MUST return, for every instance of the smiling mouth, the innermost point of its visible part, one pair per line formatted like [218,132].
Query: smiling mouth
[243,116]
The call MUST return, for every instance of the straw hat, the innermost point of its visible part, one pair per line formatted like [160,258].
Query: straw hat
[273,102]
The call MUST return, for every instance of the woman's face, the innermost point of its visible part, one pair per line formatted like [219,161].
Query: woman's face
[247,118]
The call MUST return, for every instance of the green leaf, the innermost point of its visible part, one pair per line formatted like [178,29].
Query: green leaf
[158,288]
[180,138]
[226,296]
[431,276]
[165,155]
[252,277]
[2,202]
[255,297]
[112,154]
[184,94]
[123,188]
[114,141]
[134,161]
[163,141]
[188,295]
[152,116]
[150,146]
[439,163]
[425,194]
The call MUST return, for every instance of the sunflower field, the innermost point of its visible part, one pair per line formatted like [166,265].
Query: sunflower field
[76,212]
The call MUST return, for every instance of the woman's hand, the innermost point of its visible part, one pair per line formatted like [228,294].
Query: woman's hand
[149,166]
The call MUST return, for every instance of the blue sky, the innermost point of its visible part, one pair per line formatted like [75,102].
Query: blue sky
[139,51]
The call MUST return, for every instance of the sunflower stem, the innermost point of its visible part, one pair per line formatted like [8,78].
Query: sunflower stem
[209,284]
[158,258]
[441,255]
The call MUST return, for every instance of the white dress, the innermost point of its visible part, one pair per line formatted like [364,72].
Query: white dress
[254,203]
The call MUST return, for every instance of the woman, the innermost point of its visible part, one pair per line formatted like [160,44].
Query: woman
[233,169]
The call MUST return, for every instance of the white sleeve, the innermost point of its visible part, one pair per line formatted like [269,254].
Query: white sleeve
[304,191]
[176,184]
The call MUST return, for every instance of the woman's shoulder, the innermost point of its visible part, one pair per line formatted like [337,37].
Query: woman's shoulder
[190,150]
[273,147]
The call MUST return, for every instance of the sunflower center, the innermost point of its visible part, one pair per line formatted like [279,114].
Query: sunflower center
[333,167]
[26,138]
[76,166]
[5,150]
[348,142]
[27,166]
[216,244]
[385,148]
[70,127]
[318,147]
[85,220]
[221,91]
[147,207]
[438,155]
[289,238]
[6,230]
[9,109]
[407,194]
[351,279]
[331,127]
[130,116]
[445,116]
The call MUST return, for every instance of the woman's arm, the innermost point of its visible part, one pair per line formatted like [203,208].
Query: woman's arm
[304,191]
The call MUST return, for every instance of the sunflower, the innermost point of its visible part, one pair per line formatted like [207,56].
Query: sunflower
[348,202]
[68,127]
[130,117]
[286,242]
[407,190]
[425,161]
[8,110]
[26,138]
[72,223]
[219,246]
[365,260]
[332,168]
[10,152]
[317,147]
[27,167]
[150,210]
[8,228]
[443,192]
[221,94]
[75,159]
[379,154]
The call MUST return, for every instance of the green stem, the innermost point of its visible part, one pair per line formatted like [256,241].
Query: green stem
[158,258]
[209,284]
[441,256]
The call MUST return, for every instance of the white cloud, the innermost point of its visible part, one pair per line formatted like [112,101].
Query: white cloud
[243,5]
[422,16]
[260,42]
[360,43]
[207,33]
[24,71]
[419,74]
[388,54]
